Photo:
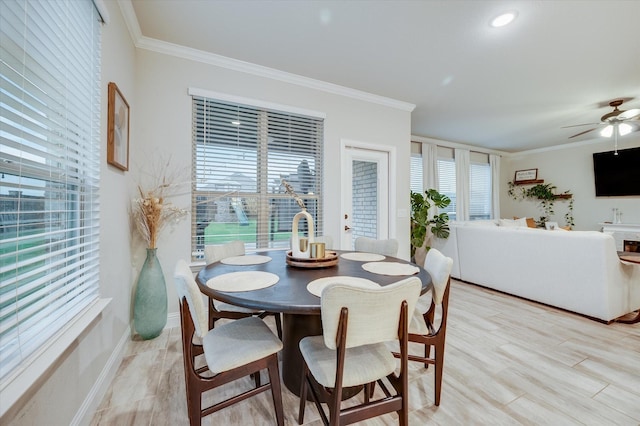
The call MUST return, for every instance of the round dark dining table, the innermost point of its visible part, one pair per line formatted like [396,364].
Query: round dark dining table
[300,308]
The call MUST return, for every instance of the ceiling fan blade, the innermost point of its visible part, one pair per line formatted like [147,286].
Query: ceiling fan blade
[578,125]
[582,133]
[629,114]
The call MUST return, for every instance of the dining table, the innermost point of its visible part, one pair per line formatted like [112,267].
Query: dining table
[267,282]
[632,257]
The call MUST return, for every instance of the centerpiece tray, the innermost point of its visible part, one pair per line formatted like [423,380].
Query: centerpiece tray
[330,259]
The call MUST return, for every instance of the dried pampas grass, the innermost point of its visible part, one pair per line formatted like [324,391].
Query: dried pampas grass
[152,211]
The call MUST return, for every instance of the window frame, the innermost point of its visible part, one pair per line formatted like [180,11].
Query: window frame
[265,145]
[51,146]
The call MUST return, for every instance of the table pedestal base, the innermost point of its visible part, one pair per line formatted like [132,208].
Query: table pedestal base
[295,328]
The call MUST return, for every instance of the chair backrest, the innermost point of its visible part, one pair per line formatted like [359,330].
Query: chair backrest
[371,245]
[439,267]
[214,253]
[373,312]
[188,289]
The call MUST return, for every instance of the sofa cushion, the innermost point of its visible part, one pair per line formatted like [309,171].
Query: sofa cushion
[531,222]
[489,223]
[517,223]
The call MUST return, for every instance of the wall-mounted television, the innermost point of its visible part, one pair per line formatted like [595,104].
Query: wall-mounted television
[617,175]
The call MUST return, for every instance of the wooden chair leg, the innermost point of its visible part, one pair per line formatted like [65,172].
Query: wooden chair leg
[256,378]
[194,406]
[334,407]
[212,318]
[276,390]
[278,324]
[303,392]
[427,352]
[439,370]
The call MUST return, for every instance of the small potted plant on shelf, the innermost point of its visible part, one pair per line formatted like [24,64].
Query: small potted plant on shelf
[424,227]
[545,194]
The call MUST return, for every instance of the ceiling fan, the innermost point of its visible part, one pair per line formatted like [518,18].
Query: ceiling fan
[615,122]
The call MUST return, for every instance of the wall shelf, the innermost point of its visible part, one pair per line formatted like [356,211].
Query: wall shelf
[539,181]
[529,182]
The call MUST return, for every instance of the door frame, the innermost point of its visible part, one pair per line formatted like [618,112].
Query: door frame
[391,181]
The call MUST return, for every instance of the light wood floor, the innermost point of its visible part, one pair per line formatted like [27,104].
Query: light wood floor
[507,361]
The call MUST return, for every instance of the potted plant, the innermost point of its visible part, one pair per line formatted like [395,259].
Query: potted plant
[424,227]
[545,194]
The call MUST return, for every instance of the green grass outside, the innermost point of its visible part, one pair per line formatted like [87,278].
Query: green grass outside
[223,232]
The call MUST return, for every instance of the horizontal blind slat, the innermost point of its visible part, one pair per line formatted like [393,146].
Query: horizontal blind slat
[241,153]
[49,180]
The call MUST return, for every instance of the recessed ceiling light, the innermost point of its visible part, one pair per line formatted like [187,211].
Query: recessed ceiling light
[503,19]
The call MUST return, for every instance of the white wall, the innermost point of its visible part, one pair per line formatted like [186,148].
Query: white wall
[155,86]
[164,118]
[570,169]
[61,396]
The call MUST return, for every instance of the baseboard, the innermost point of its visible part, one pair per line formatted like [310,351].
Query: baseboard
[98,390]
[173,320]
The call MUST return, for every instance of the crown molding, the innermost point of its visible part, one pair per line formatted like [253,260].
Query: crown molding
[147,43]
[599,141]
[130,19]
[448,144]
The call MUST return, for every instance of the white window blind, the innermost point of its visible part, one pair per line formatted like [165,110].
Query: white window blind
[49,170]
[241,155]
[416,173]
[447,184]
[480,182]
[480,185]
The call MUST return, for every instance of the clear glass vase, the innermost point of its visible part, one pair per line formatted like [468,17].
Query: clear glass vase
[150,300]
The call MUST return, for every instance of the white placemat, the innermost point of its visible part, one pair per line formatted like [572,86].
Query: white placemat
[315,287]
[390,268]
[249,259]
[361,256]
[243,281]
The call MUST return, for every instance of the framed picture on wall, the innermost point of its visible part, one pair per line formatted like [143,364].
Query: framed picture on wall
[117,129]
[525,175]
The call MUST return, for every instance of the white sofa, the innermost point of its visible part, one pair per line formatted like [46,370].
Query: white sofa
[574,270]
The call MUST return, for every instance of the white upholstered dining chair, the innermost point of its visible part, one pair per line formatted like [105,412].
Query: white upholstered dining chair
[424,329]
[357,322]
[219,309]
[232,351]
[371,245]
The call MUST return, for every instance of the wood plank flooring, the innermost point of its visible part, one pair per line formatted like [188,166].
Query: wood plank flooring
[507,361]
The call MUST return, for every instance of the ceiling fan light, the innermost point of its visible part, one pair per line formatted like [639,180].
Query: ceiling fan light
[624,129]
[607,131]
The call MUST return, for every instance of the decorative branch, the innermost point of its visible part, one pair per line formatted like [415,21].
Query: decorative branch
[289,190]
[152,211]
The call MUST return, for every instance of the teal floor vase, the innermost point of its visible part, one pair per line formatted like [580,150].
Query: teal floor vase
[150,300]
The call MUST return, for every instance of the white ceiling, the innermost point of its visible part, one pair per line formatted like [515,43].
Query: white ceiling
[510,89]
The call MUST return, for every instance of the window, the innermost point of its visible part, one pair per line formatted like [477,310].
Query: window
[416,173]
[479,179]
[447,184]
[49,170]
[241,155]
[480,187]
